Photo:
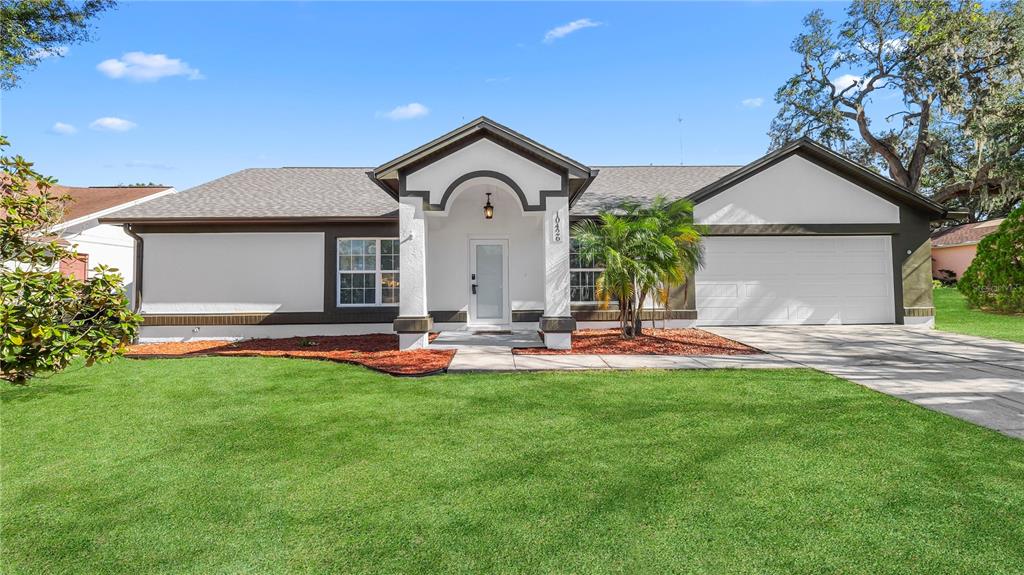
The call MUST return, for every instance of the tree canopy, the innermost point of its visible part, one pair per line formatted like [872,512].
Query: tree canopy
[33,30]
[643,250]
[995,279]
[929,93]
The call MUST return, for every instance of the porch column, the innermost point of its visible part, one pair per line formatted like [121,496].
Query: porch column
[557,323]
[413,323]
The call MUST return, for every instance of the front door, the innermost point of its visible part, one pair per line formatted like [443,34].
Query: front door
[488,279]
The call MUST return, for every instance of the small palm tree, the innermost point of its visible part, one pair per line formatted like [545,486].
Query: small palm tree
[673,221]
[644,249]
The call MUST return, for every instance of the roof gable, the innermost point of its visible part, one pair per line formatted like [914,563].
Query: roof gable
[387,174]
[826,158]
[796,191]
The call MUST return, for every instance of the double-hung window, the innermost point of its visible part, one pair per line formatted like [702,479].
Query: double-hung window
[583,274]
[367,272]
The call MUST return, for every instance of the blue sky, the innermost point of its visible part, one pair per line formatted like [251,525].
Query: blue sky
[223,86]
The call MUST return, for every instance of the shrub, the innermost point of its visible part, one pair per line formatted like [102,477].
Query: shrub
[48,319]
[995,279]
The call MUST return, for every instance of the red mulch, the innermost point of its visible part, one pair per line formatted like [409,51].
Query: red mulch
[653,342]
[377,351]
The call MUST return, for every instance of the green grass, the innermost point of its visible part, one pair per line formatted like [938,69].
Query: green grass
[952,314]
[260,465]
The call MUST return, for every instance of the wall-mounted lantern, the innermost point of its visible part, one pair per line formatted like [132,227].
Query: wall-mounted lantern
[488,208]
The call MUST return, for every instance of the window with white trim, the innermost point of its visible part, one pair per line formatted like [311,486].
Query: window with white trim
[583,274]
[367,271]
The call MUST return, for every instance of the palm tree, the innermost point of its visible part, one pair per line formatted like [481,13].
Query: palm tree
[643,250]
[674,221]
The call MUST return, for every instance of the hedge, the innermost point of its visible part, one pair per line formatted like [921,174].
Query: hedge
[995,279]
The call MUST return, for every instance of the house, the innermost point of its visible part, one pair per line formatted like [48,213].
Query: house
[472,231]
[101,243]
[953,249]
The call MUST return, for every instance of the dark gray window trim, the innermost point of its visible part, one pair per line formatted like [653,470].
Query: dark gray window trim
[826,158]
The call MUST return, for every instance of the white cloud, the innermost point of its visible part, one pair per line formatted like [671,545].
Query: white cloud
[498,80]
[43,53]
[845,81]
[406,112]
[143,67]
[63,129]
[752,102]
[111,124]
[566,29]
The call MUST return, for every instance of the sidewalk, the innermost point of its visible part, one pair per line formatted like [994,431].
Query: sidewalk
[505,360]
[493,352]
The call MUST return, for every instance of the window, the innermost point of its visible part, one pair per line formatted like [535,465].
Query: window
[583,274]
[367,272]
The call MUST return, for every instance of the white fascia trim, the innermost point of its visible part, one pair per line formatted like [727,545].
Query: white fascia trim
[101,213]
[935,247]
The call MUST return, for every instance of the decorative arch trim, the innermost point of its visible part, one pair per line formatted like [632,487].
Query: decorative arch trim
[443,204]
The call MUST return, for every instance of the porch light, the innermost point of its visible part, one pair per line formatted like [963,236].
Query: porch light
[488,208]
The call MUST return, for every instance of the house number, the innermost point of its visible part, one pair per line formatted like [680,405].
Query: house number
[557,230]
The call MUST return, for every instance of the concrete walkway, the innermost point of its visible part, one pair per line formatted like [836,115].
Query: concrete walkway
[493,352]
[977,379]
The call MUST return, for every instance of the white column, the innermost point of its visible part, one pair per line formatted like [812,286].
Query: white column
[412,305]
[556,269]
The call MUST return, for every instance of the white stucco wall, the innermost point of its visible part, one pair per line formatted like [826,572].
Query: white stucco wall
[105,244]
[448,247]
[233,273]
[484,155]
[796,191]
[556,258]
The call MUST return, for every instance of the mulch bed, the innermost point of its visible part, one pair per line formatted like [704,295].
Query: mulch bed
[378,351]
[653,342]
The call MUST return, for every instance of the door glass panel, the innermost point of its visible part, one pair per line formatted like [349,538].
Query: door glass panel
[489,280]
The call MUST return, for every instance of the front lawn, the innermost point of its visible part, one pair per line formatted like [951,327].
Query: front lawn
[268,465]
[952,314]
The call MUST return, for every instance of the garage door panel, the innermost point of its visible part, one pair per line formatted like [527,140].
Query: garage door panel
[721,315]
[709,290]
[773,280]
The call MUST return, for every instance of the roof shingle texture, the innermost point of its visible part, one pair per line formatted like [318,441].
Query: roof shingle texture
[965,234]
[350,193]
[84,201]
[274,193]
[615,184]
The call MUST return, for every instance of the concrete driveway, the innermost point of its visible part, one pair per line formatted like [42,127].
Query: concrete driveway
[973,378]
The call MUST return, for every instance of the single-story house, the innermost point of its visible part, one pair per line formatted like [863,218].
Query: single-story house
[100,243]
[953,249]
[472,231]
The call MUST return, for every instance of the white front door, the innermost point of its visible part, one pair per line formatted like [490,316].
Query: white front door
[488,279]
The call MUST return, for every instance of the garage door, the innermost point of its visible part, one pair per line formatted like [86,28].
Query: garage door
[787,280]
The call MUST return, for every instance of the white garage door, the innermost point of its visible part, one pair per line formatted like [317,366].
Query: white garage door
[785,280]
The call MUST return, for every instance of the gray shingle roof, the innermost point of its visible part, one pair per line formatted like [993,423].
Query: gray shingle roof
[615,184]
[349,193]
[273,193]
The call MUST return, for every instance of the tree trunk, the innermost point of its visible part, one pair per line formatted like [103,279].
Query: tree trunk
[638,322]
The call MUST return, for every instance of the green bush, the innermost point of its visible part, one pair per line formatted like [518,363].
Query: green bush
[995,280]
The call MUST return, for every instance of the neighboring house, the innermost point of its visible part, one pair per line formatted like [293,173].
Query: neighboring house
[408,246]
[953,249]
[101,243]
